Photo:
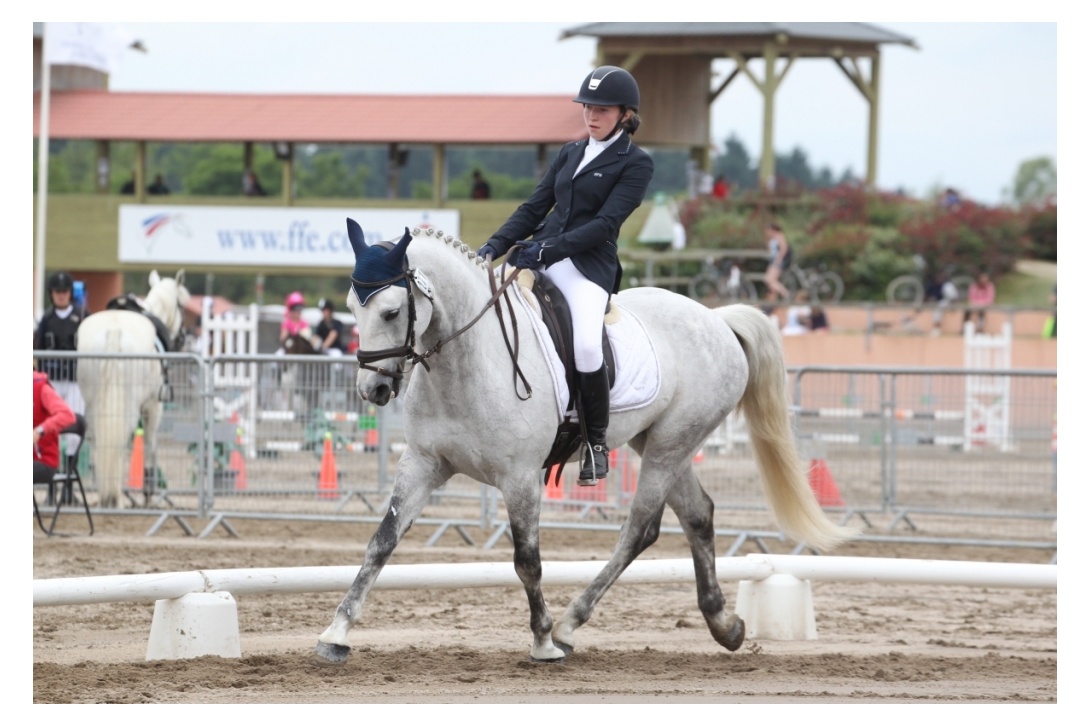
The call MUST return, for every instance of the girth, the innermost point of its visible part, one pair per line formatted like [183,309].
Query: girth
[557,318]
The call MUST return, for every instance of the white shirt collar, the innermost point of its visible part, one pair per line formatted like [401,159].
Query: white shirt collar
[593,143]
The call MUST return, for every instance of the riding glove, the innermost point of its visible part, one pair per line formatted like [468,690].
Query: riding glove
[487,249]
[529,257]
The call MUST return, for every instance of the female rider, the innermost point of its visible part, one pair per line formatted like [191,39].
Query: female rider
[569,228]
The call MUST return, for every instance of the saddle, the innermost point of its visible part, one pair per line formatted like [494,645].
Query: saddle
[556,315]
[129,302]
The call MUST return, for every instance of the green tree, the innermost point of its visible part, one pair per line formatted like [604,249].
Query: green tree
[736,164]
[326,174]
[1034,182]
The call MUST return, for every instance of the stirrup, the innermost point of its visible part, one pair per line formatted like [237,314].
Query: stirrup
[592,471]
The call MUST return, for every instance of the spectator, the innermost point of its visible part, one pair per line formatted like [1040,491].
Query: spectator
[57,332]
[798,316]
[819,323]
[720,189]
[330,331]
[779,259]
[950,199]
[943,291]
[51,415]
[129,187]
[481,188]
[293,323]
[251,187]
[1050,322]
[981,295]
[158,186]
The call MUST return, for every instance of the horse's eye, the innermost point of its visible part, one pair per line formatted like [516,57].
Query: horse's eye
[390,314]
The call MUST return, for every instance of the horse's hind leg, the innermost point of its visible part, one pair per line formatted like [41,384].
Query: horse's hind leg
[414,482]
[151,413]
[694,510]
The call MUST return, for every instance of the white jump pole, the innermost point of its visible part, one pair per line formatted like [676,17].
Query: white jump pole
[195,612]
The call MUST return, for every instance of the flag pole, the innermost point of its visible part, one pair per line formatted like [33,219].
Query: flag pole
[43,179]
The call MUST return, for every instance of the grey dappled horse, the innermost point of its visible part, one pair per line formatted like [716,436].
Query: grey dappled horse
[463,415]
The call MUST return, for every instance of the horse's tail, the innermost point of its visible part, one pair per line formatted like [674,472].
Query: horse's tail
[107,411]
[765,405]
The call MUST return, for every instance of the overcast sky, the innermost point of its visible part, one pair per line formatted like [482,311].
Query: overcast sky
[964,109]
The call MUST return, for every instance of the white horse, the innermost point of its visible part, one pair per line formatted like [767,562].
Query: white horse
[464,415]
[119,392]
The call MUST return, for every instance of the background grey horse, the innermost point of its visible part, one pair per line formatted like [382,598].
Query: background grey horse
[121,392]
[465,416]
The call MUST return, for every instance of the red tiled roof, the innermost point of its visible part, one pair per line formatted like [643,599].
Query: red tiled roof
[208,117]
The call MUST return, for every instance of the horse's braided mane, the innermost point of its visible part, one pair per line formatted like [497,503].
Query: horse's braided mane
[456,244]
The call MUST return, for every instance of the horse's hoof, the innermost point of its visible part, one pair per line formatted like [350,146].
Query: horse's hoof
[566,648]
[557,660]
[735,635]
[326,654]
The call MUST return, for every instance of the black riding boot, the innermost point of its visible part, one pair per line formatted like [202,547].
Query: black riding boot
[594,392]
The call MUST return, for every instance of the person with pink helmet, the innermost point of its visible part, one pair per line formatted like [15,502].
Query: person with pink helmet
[293,323]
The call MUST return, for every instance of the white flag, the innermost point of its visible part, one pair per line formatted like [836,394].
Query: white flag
[96,45]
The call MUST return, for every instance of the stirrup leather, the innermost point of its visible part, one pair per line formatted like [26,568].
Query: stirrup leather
[595,465]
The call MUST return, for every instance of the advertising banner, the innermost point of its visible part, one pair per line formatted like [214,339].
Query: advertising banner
[261,236]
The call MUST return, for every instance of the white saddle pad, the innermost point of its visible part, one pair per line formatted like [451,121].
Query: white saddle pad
[637,377]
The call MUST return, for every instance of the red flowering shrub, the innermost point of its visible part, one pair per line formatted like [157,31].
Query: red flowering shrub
[1041,229]
[854,204]
[967,237]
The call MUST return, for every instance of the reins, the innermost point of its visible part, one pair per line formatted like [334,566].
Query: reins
[407,350]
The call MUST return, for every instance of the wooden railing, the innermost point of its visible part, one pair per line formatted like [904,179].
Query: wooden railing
[673,269]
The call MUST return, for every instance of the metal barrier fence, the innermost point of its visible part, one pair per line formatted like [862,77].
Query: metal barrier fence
[942,455]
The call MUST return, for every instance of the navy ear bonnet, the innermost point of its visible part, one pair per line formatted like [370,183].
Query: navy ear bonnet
[376,265]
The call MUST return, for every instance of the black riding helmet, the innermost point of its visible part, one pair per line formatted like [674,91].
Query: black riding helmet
[60,282]
[610,86]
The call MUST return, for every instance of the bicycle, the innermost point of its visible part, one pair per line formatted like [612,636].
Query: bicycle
[725,283]
[909,289]
[824,286]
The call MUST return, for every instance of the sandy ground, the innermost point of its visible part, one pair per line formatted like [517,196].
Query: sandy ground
[645,643]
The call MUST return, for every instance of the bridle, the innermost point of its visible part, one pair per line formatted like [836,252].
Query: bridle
[407,351]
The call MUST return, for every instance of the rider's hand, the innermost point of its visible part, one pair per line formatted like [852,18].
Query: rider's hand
[529,257]
[488,250]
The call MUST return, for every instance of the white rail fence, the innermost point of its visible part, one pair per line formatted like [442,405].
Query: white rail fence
[195,612]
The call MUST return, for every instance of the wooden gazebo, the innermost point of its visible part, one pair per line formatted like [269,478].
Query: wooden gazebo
[673,63]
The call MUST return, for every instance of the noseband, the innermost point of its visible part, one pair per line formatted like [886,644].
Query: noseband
[405,351]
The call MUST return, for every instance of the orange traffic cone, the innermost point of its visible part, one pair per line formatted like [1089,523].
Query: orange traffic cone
[136,462]
[823,485]
[327,474]
[238,462]
[554,483]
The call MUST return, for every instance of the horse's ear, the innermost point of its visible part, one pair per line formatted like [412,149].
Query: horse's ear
[398,253]
[355,236]
[153,278]
[180,277]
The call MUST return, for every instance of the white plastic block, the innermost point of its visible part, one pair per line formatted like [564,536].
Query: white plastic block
[197,624]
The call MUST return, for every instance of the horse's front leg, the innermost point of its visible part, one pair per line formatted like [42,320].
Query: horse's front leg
[522,498]
[416,478]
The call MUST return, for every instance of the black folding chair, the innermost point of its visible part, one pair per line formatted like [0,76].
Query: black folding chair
[61,489]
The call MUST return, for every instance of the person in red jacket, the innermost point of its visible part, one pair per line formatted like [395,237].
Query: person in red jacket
[51,415]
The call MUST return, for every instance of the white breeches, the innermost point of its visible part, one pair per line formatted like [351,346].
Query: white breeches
[587,302]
